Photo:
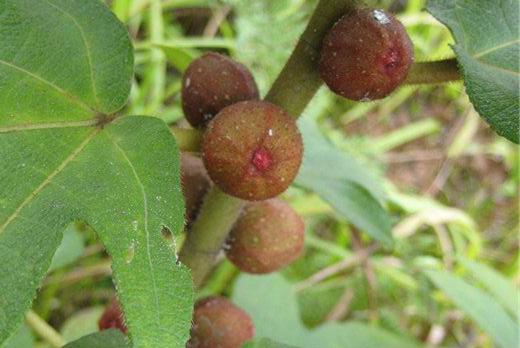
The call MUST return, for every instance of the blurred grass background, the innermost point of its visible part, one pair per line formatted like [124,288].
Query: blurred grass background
[451,183]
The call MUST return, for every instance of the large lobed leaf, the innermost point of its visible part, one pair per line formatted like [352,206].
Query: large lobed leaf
[65,65]
[487,45]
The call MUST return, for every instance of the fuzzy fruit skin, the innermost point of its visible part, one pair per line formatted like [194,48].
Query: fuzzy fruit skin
[195,183]
[268,236]
[212,82]
[252,150]
[218,323]
[112,318]
[366,55]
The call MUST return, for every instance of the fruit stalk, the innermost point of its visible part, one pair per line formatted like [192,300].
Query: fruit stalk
[188,139]
[300,78]
[292,91]
[433,72]
[209,231]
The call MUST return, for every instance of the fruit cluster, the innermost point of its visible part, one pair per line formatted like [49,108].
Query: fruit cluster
[252,150]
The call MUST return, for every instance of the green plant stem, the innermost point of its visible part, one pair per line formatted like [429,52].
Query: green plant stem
[292,91]
[157,74]
[208,233]
[44,330]
[300,78]
[433,72]
[188,139]
[220,279]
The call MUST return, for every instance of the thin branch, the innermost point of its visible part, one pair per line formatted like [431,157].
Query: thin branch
[341,308]
[219,16]
[336,268]
[44,330]
[368,270]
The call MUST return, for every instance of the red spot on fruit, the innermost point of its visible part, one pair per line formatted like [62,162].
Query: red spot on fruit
[391,60]
[252,150]
[262,160]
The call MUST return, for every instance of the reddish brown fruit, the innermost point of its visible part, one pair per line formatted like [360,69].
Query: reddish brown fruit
[268,236]
[219,323]
[366,55]
[211,83]
[252,150]
[195,184]
[112,318]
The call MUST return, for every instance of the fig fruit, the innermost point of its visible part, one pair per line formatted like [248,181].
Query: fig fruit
[212,82]
[366,55]
[217,322]
[267,236]
[252,150]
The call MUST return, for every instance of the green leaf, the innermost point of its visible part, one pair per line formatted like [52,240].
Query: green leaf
[280,320]
[70,249]
[179,57]
[64,66]
[343,183]
[487,46]
[82,323]
[265,343]
[104,339]
[499,286]
[481,307]
[22,338]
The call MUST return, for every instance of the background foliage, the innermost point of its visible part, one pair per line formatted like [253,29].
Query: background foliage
[441,182]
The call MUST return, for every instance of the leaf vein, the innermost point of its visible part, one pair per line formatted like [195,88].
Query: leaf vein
[48,179]
[147,232]
[53,125]
[63,92]
[87,49]
[496,48]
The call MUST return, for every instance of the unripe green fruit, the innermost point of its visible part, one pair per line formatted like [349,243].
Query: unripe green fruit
[268,236]
[366,55]
[195,184]
[217,322]
[112,318]
[252,150]
[212,82]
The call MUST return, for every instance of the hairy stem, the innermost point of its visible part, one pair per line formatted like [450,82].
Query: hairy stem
[433,72]
[300,78]
[292,91]
[44,330]
[204,241]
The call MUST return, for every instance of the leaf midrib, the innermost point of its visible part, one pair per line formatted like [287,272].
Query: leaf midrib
[52,125]
[147,232]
